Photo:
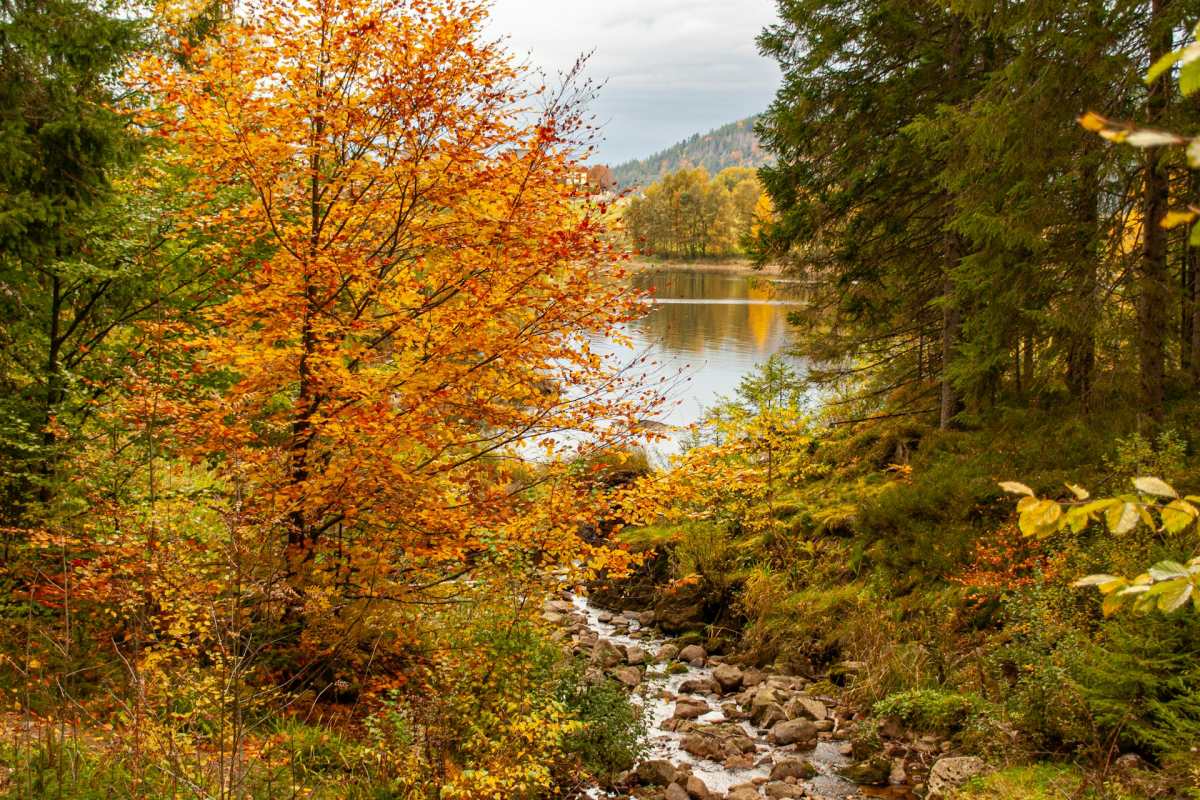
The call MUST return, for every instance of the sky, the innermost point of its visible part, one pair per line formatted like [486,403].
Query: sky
[672,67]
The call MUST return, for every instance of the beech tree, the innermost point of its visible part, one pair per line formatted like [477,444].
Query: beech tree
[418,284]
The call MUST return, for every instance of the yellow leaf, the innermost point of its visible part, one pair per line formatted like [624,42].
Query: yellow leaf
[1174,219]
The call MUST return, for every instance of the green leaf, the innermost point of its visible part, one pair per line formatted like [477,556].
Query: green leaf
[1077,519]
[1162,65]
[1176,594]
[1112,604]
[1193,153]
[1096,580]
[1040,519]
[1189,78]
[1168,570]
[1012,487]
[1154,486]
[1178,515]
[1194,236]
[1121,519]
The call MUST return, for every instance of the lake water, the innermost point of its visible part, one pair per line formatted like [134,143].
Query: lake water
[704,332]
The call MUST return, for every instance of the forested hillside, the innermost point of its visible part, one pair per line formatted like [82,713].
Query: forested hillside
[732,145]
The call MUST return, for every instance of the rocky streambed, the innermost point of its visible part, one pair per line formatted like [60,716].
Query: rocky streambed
[718,730]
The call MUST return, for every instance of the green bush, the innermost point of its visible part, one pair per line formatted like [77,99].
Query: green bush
[932,710]
[1141,682]
[610,740]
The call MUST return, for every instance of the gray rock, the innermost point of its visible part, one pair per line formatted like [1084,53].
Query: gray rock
[629,676]
[729,677]
[694,654]
[872,772]
[768,716]
[950,773]
[780,790]
[804,707]
[752,677]
[697,789]
[797,768]
[800,732]
[676,792]
[606,654]
[657,772]
[700,686]
[691,708]
[702,746]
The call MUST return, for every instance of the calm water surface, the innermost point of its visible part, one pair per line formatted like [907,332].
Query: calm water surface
[705,331]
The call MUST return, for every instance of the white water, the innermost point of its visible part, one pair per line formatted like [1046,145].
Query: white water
[659,692]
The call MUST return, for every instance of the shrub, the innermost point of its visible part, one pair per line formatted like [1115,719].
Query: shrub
[932,710]
[609,739]
[1142,683]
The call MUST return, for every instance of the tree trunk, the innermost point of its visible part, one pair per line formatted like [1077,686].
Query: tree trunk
[951,328]
[1029,362]
[55,391]
[1153,293]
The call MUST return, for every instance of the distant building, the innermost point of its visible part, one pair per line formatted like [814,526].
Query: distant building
[578,176]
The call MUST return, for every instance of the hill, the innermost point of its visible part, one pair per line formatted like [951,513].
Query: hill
[732,145]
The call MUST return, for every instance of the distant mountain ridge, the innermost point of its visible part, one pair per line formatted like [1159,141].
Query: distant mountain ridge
[732,145]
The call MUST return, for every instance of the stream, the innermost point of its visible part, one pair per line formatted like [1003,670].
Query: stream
[674,695]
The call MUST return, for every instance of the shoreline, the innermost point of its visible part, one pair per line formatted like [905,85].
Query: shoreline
[736,267]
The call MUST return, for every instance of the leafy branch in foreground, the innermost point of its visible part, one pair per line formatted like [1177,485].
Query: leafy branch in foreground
[1168,585]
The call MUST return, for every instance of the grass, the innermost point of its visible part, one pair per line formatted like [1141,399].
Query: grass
[1035,782]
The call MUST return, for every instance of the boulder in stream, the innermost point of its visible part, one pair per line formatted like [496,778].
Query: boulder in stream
[694,654]
[628,676]
[656,772]
[676,792]
[778,790]
[691,708]
[804,707]
[729,677]
[606,654]
[872,772]
[697,789]
[800,732]
[744,791]
[798,768]
[700,686]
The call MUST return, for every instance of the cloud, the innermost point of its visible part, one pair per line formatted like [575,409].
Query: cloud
[672,67]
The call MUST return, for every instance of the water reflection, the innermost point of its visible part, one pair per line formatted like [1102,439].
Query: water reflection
[709,328]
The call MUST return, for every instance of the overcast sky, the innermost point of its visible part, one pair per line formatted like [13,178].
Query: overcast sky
[673,67]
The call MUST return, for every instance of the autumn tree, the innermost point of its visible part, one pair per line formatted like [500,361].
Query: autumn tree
[419,281]
[687,214]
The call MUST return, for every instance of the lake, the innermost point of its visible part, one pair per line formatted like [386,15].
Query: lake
[706,330]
